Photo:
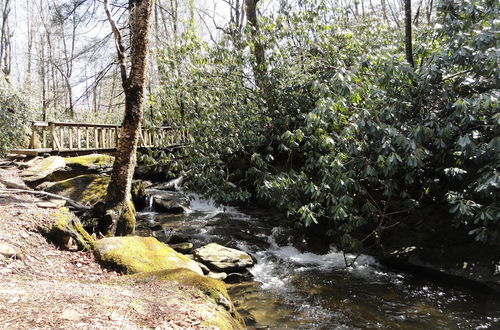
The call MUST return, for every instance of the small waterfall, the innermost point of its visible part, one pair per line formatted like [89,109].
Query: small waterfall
[149,203]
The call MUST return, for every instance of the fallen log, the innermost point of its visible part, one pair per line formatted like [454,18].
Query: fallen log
[73,203]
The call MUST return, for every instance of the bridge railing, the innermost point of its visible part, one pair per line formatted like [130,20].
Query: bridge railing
[58,136]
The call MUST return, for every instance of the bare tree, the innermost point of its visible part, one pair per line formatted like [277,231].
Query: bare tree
[6,40]
[408,39]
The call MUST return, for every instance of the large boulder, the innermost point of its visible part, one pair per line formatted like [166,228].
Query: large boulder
[169,201]
[90,162]
[87,164]
[86,189]
[222,259]
[134,254]
[43,168]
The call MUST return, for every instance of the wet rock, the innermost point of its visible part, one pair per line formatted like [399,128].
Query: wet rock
[134,254]
[459,264]
[203,267]
[43,168]
[222,259]
[171,237]
[172,185]
[138,192]
[154,226]
[169,201]
[182,247]
[234,278]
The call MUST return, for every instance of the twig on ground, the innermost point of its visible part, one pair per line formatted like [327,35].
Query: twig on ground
[73,203]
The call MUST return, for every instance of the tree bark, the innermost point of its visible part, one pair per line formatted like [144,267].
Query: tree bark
[408,41]
[120,217]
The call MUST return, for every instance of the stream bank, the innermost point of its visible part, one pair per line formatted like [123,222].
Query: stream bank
[299,289]
[295,287]
[47,287]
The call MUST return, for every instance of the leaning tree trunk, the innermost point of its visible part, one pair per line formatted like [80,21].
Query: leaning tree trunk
[120,215]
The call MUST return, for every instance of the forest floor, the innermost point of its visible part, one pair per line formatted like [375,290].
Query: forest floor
[47,288]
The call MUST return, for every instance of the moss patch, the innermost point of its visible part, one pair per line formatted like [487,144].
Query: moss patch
[135,254]
[90,161]
[86,189]
[67,226]
[43,168]
[225,317]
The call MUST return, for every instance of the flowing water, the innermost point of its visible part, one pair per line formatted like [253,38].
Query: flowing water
[302,290]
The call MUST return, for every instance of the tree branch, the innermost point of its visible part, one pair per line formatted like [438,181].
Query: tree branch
[73,203]
[120,48]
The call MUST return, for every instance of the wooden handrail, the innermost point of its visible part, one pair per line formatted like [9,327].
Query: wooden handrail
[60,136]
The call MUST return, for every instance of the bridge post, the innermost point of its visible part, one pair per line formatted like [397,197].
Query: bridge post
[55,142]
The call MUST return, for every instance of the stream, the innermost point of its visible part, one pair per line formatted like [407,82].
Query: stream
[303,290]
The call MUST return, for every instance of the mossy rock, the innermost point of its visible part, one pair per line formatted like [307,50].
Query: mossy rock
[86,189]
[224,318]
[134,254]
[67,227]
[43,168]
[90,162]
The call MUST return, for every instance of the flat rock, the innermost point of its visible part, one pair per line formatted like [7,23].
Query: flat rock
[86,189]
[90,162]
[43,168]
[234,278]
[134,254]
[9,251]
[169,201]
[51,204]
[217,276]
[221,258]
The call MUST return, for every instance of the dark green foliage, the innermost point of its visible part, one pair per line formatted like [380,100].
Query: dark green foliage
[15,111]
[348,134]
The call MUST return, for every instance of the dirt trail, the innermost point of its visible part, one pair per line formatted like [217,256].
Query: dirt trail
[47,288]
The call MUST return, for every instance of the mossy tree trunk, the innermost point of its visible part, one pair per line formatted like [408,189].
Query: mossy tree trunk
[120,213]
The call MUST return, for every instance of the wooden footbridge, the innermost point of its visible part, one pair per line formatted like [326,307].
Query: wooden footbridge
[81,138]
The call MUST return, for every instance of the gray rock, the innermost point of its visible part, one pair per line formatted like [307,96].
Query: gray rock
[222,259]
[182,247]
[172,185]
[169,201]
[234,278]
[43,168]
